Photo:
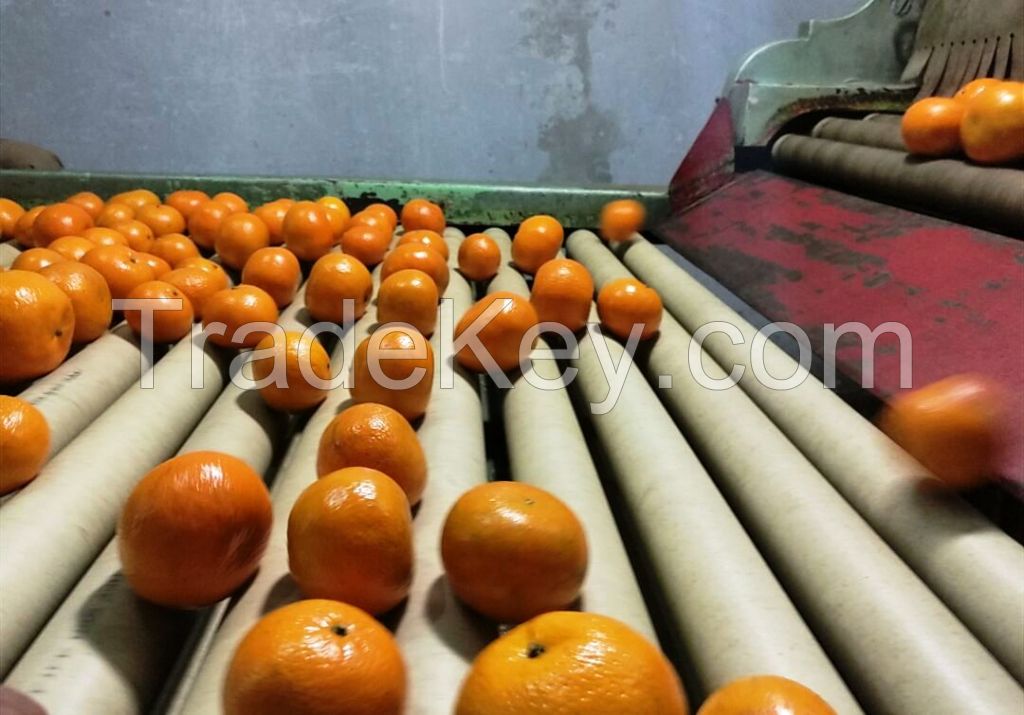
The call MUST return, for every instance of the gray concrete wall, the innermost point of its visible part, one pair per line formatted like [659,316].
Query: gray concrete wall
[558,91]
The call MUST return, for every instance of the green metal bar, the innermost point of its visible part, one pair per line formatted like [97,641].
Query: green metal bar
[472,204]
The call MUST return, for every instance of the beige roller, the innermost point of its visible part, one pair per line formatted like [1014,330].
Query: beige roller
[58,524]
[730,612]
[106,651]
[975,568]
[78,391]
[8,252]
[895,641]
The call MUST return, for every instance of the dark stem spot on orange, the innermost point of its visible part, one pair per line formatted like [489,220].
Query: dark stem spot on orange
[535,650]
[340,630]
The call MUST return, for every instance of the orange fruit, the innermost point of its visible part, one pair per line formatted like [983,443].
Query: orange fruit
[408,296]
[238,308]
[371,219]
[335,278]
[294,363]
[272,214]
[420,214]
[993,125]
[378,437]
[59,220]
[537,241]
[194,529]
[159,265]
[162,219]
[36,259]
[103,236]
[24,442]
[120,267]
[316,657]
[114,213]
[528,542]
[573,663]
[195,284]
[307,230]
[954,427]
[350,539]
[172,314]
[394,367]
[89,294]
[626,302]
[139,235]
[275,270]
[204,223]
[428,238]
[975,87]
[23,227]
[337,214]
[234,202]
[71,247]
[211,267]
[505,324]
[37,322]
[174,248]
[767,694]
[186,201]
[240,235]
[136,198]
[931,127]
[10,212]
[621,219]
[562,293]
[385,212]
[479,257]
[418,256]
[89,201]
[368,244]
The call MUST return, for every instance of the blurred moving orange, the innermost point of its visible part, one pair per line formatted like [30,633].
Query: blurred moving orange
[24,442]
[993,125]
[621,219]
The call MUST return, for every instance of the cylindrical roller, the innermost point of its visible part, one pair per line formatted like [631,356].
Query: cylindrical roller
[985,196]
[58,524]
[884,118]
[116,660]
[894,640]
[78,391]
[732,615]
[8,252]
[939,536]
[885,135]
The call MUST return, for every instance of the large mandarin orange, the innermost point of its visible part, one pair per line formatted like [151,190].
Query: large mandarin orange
[241,310]
[195,284]
[37,322]
[573,663]
[159,266]
[36,259]
[103,236]
[186,201]
[931,126]
[423,214]
[430,239]
[233,201]
[10,212]
[72,247]
[479,257]
[385,212]
[537,241]
[114,213]
[89,295]
[366,243]
[120,267]
[562,293]
[204,223]
[408,296]
[139,235]
[272,214]
[417,256]
[954,427]
[307,230]
[527,540]
[174,248]
[59,220]
[505,328]
[298,367]
[211,267]
[621,219]
[136,198]
[975,87]
[333,280]
[316,657]
[24,442]
[993,125]
[194,529]
[394,367]
[625,303]
[89,201]
[23,227]
[350,539]
[371,219]
[765,695]
[240,235]
[162,219]
[337,214]
[275,270]
[172,314]
[378,437]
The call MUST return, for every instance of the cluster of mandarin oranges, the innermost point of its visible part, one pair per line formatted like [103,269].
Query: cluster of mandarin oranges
[194,529]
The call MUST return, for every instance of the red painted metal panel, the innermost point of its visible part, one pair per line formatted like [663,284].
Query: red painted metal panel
[709,163]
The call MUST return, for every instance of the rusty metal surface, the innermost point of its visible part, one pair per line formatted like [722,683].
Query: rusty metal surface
[810,255]
[710,162]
